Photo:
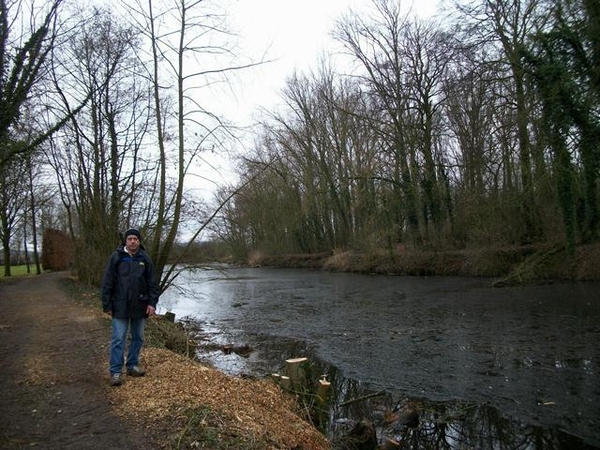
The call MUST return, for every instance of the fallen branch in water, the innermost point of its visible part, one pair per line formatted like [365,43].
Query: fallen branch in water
[526,269]
[365,397]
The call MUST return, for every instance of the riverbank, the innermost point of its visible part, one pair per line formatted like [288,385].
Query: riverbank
[54,392]
[509,265]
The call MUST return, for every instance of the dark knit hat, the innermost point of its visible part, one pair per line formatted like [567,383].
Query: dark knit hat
[133,232]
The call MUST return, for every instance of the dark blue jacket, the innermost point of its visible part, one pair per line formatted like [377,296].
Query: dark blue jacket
[129,285]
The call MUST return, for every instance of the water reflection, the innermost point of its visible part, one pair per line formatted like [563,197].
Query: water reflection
[445,425]
[434,425]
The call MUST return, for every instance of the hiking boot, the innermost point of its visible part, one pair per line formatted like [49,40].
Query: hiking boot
[115,379]
[135,371]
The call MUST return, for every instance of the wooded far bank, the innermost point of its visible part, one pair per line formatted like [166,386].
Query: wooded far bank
[478,132]
[503,265]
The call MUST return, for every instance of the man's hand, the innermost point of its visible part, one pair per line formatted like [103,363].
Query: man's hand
[150,310]
[108,313]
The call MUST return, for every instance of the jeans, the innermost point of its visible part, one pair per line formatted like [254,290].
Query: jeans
[118,340]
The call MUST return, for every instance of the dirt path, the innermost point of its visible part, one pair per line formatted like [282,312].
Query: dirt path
[53,376]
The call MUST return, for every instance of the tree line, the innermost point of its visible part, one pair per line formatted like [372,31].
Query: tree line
[477,130]
[102,123]
[481,129]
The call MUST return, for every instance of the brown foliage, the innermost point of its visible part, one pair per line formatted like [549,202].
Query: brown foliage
[516,264]
[57,250]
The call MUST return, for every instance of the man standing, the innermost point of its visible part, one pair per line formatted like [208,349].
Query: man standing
[129,296]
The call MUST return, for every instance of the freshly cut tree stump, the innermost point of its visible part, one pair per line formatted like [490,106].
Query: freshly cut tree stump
[286,383]
[294,368]
[323,389]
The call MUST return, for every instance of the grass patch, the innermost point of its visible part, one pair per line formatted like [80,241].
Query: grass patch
[17,271]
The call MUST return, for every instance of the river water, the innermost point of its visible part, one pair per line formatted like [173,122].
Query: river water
[510,367]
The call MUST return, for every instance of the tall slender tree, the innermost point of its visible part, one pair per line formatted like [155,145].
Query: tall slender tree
[376,43]
[99,157]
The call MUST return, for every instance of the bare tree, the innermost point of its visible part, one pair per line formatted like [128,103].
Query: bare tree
[377,43]
[24,56]
[99,157]
[480,153]
[190,50]
[505,28]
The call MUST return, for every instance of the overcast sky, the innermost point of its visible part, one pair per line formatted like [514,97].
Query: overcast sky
[293,33]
